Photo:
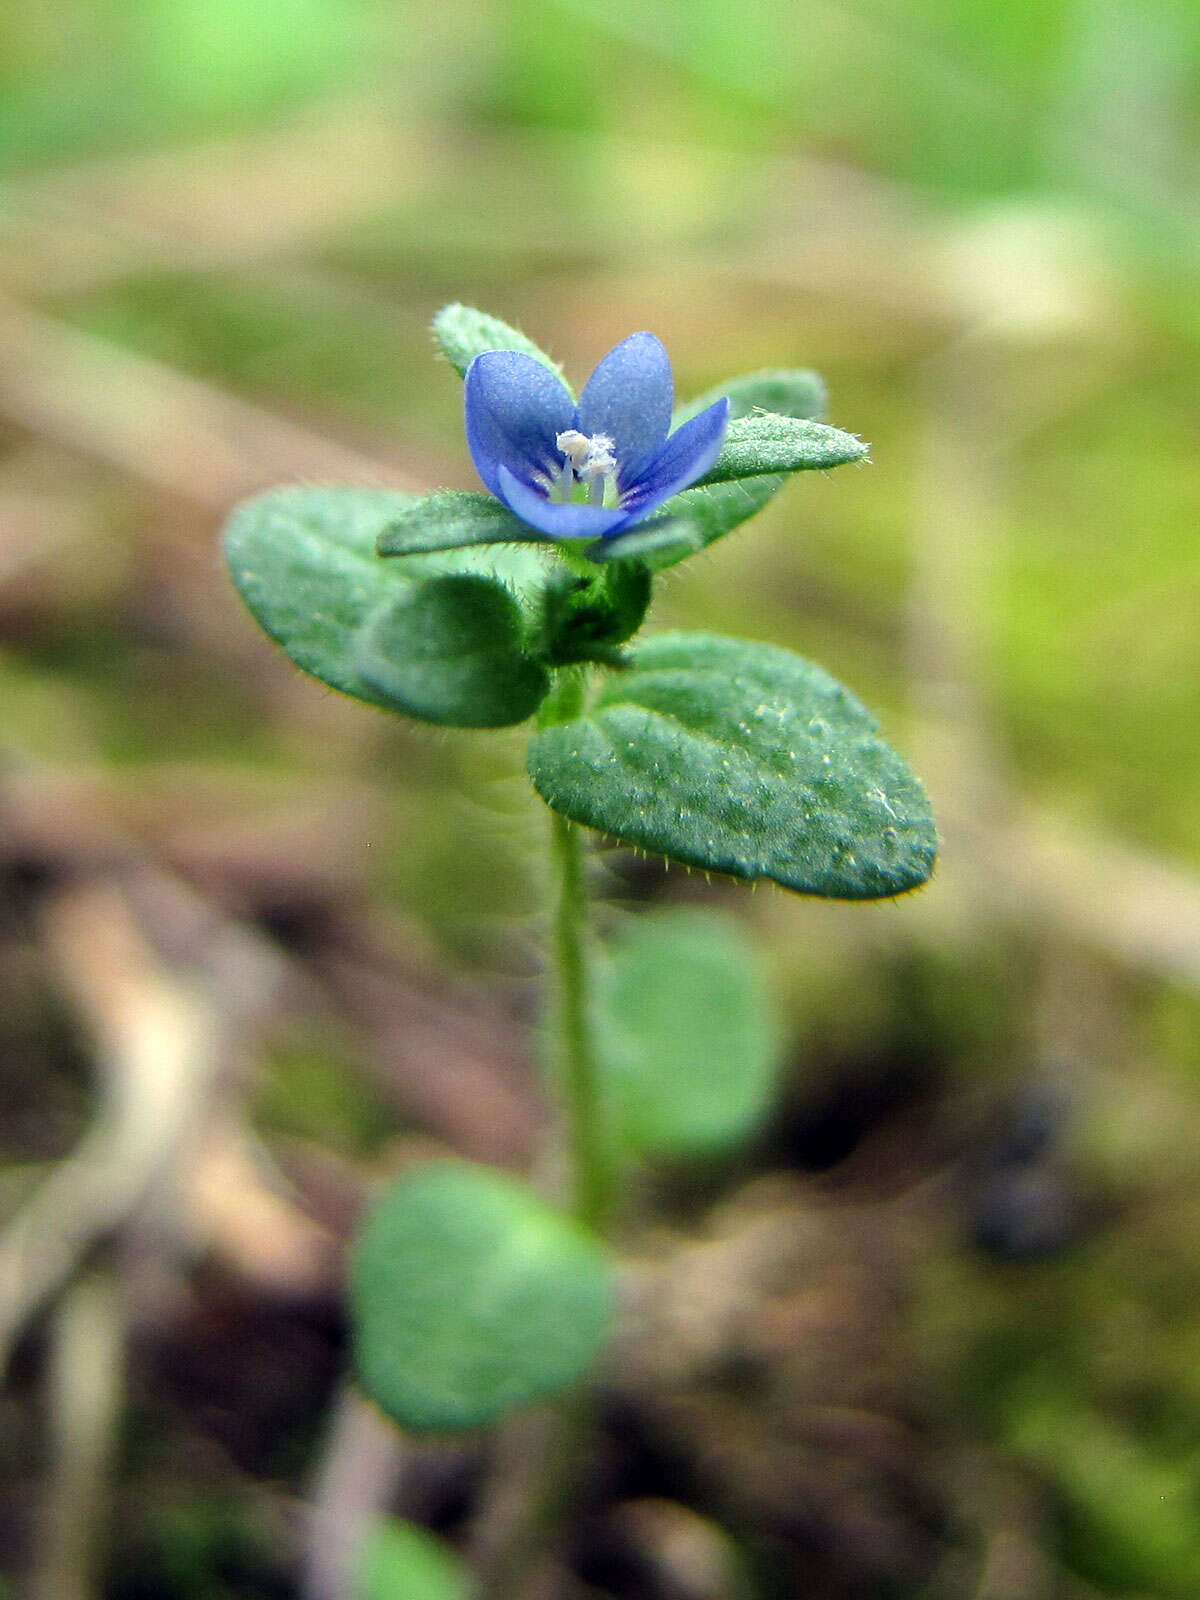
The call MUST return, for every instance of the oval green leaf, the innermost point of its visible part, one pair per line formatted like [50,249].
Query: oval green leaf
[304,561]
[744,759]
[688,1037]
[451,651]
[470,1298]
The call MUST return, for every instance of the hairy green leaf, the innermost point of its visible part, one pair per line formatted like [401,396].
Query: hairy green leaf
[688,1038]
[765,443]
[470,1298]
[692,520]
[744,759]
[465,333]
[452,650]
[451,520]
[304,561]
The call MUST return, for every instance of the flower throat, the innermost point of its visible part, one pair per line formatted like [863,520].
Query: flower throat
[587,461]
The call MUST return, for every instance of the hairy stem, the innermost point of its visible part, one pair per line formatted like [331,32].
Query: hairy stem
[575,1049]
[578,1077]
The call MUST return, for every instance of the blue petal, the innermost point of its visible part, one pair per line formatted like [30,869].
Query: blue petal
[515,408]
[557,518]
[630,397]
[687,455]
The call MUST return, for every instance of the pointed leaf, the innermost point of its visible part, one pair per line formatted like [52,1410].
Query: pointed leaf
[710,513]
[661,542]
[465,333]
[789,392]
[452,520]
[452,651]
[687,1036]
[470,1298]
[745,759]
[765,443]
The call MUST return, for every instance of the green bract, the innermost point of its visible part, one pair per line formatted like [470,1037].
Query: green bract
[786,391]
[764,443]
[471,1298]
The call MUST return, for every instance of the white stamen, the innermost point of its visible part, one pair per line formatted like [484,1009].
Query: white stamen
[590,460]
[600,458]
[575,446]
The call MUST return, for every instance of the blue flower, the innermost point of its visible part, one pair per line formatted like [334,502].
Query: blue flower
[594,469]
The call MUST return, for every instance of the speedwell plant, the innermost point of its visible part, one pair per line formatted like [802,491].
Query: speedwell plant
[471,1296]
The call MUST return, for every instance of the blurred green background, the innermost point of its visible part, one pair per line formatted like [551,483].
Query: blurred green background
[223,231]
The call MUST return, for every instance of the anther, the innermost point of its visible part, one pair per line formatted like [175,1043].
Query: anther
[590,460]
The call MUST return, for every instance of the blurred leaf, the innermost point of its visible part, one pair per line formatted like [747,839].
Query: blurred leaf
[788,392]
[741,758]
[470,1299]
[765,443]
[1133,1514]
[451,651]
[688,1036]
[402,1562]
[465,333]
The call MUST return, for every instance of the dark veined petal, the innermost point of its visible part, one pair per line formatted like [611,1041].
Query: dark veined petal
[515,409]
[630,397]
[687,455]
[557,518]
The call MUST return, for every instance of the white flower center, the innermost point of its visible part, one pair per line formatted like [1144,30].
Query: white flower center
[588,461]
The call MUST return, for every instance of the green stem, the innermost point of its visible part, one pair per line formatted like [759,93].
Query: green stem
[548,1447]
[578,1076]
